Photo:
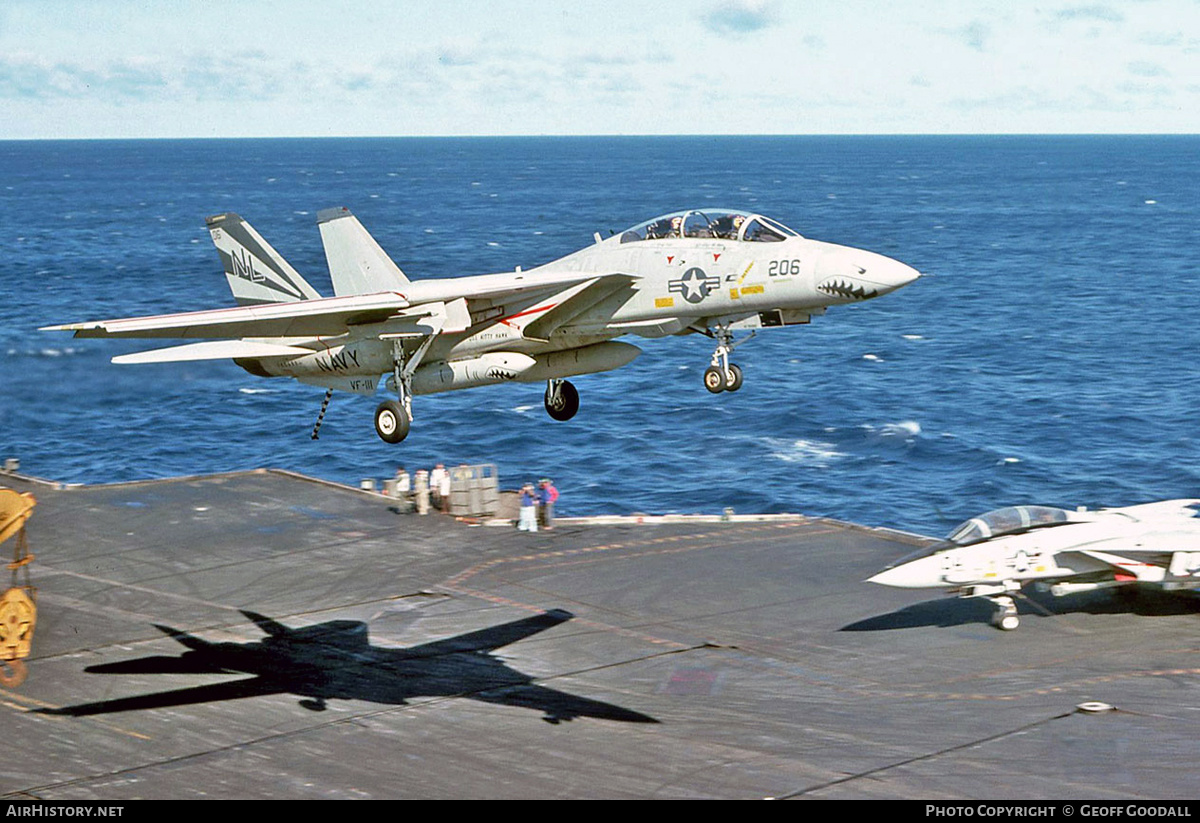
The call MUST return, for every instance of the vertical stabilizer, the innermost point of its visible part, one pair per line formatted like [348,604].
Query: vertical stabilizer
[357,265]
[255,271]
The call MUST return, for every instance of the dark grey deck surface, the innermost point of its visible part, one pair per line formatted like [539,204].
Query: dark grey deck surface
[735,660]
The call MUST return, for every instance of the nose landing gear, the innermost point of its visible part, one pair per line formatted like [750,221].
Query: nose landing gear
[722,375]
[1004,615]
[1004,610]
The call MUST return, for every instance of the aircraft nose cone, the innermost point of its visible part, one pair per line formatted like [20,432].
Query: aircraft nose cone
[916,574]
[859,275]
[885,272]
[897,274]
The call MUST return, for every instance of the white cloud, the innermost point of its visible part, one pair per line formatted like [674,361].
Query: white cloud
[739,17]
[1094,12]
[1144,68]
[619,66]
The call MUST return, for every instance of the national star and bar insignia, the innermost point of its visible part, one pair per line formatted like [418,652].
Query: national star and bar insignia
[694,285]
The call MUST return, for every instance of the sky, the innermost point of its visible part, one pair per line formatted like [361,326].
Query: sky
[132,68]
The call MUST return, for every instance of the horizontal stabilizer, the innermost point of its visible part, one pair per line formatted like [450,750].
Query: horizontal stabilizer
[211,350]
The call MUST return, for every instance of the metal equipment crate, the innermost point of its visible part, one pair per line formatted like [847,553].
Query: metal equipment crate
[474,490]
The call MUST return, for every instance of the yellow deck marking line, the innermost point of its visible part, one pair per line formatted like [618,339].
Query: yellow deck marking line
[23,703]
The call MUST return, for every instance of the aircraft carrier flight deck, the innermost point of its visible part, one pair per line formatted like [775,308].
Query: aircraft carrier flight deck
[266,635]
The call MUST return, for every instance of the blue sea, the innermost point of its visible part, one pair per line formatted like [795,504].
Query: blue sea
[1049,357]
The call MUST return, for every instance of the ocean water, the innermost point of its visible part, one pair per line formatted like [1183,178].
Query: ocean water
[1051,356]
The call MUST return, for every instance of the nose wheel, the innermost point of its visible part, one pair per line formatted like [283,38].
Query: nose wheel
[722,375]
[733,377]
[1004,614]
[717,380]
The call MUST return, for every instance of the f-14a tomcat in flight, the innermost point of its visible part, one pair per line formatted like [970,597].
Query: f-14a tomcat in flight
[995,554]
[715,272]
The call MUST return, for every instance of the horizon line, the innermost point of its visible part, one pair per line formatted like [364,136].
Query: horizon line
[611,135]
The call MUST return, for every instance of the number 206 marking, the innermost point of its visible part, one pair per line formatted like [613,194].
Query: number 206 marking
[782,267]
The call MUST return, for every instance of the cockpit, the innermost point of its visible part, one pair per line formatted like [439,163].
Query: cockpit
[720,224]
[1009,520]
[996,523]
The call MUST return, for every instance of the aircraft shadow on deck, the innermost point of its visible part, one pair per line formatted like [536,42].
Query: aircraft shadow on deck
[949,611]
[335,660]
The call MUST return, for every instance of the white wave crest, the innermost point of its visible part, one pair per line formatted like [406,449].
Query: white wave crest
[907,428]
[50,351]
[805,452]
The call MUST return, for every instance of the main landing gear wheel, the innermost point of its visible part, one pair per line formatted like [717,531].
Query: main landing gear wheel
[562,401]
[391,422]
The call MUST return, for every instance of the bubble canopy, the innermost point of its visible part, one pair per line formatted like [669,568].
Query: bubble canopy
[1006,521]
[720,224]
[996,523]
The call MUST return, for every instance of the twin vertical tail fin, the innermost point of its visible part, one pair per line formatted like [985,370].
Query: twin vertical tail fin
[255,271]
[357,264]
[259,274]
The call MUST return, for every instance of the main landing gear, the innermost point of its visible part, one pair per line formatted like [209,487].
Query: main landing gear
[723,375]
[562,399]
[393,418]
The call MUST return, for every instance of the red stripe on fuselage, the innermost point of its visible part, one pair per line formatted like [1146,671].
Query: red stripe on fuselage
[525,313]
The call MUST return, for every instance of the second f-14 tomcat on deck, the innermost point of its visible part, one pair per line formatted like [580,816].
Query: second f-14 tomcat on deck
[995,554]
[715,272]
